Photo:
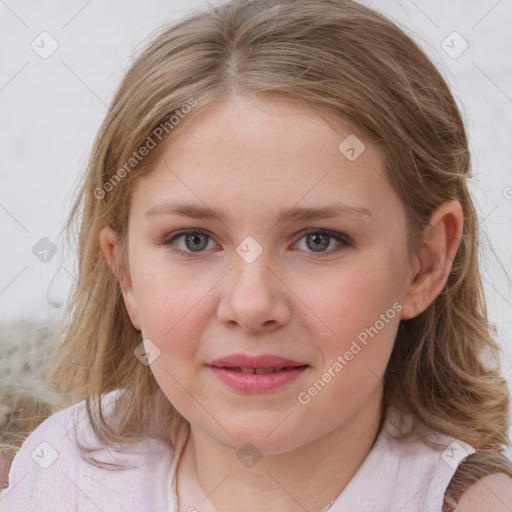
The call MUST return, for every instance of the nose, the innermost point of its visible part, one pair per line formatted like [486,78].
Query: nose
[254,297]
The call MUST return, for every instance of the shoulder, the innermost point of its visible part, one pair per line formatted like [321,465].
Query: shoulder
[38,466]
[43,469]
[492,493]
[53,429]
[482,482]
[59,428]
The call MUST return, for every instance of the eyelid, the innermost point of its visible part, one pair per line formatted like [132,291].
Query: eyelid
[337,235]
[185,231]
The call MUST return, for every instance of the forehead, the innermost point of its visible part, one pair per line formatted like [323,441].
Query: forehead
[247,155]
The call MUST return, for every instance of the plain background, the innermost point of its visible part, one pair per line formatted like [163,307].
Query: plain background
[52,107]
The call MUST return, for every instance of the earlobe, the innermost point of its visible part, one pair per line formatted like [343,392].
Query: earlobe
[440,243]
[109,242]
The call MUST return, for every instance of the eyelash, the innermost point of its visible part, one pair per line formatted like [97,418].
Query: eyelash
[341,238]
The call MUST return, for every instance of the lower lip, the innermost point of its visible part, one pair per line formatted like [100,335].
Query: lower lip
[254,382]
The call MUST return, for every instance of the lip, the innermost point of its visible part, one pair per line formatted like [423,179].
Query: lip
[255,361]
[253,382]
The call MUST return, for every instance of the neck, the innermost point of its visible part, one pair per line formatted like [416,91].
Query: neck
[307,478]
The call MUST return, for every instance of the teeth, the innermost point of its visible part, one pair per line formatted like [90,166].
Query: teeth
[259,371]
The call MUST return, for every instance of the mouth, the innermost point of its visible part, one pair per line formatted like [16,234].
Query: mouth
[257,374]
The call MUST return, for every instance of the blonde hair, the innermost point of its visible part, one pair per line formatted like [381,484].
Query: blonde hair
[354,65]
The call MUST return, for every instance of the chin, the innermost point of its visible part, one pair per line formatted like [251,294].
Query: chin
[260,437]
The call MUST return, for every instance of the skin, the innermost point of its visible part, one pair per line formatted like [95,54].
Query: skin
[492,493]
[253,157]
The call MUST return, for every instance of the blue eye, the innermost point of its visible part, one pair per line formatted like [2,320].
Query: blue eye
[196,241]
[318,240]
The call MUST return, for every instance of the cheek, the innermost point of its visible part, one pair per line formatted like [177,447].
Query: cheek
[363,312]
[356,300]
[167,295]
[173,319]
[174,309]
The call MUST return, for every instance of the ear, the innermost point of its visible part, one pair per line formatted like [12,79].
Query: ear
[440,243]
[109,242]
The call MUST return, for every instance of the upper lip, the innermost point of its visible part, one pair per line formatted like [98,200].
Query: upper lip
[254,361]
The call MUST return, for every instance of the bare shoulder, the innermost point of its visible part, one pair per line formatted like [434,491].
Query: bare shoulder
[493,493]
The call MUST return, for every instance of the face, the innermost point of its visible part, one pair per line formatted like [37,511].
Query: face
[271,275]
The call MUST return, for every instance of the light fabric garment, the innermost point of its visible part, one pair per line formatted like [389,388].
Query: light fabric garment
[48,474]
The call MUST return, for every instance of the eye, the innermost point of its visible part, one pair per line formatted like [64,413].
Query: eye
[317,240]
[196,241]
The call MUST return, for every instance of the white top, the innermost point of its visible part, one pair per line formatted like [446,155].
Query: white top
[49,474]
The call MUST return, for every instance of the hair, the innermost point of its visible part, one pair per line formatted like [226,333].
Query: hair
[352,65]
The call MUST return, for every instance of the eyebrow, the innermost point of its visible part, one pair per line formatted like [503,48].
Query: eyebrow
[285,215]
